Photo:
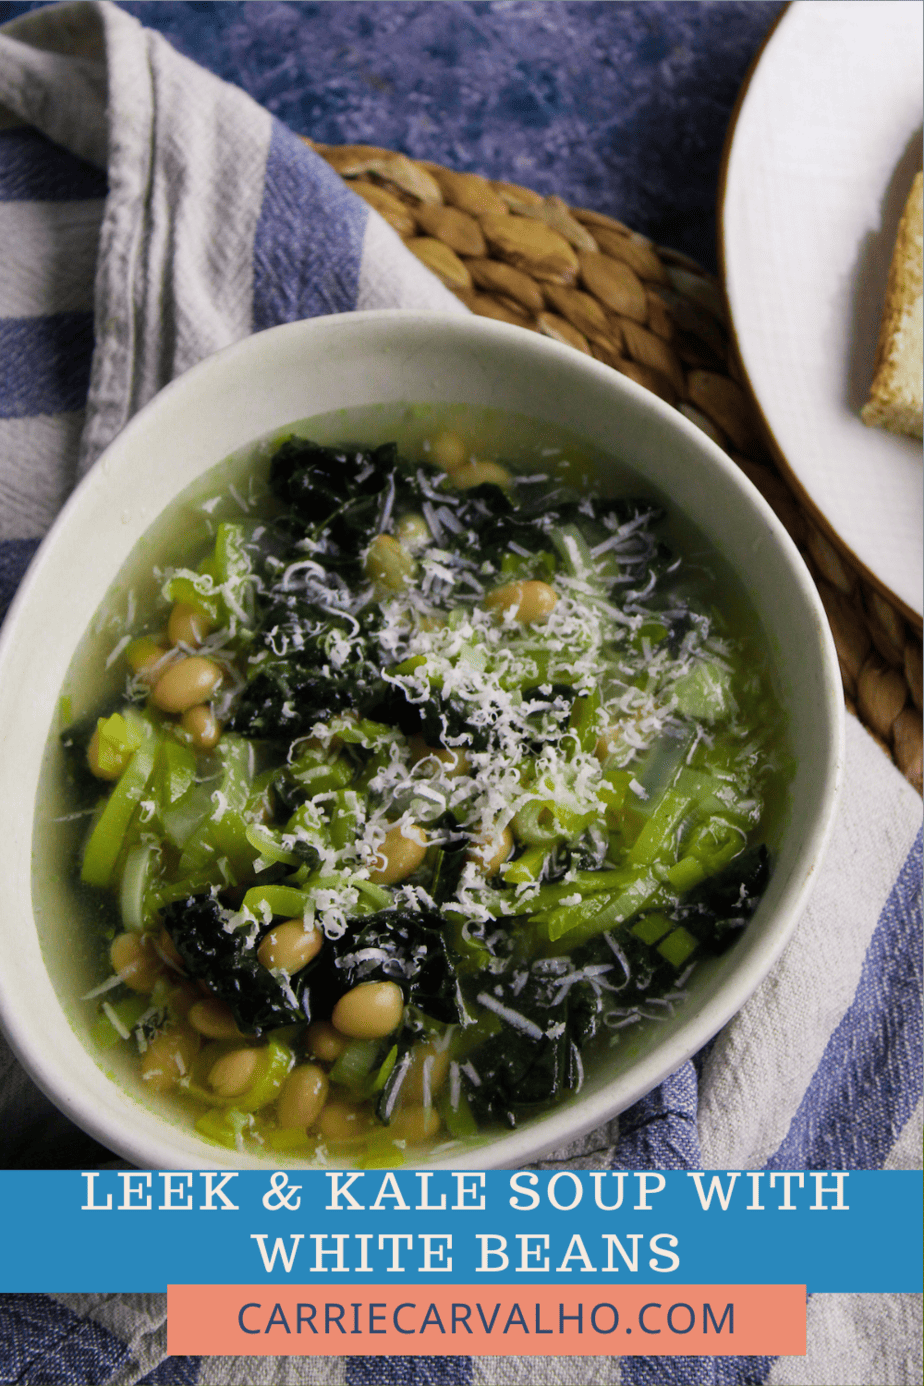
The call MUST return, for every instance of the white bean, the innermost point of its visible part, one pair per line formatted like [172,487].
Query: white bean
[186,683]
[529,600]
[399,855]
[370,1010]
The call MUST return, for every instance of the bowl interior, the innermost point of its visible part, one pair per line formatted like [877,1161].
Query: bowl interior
[391,361]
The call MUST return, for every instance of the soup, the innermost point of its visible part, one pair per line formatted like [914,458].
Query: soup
[421,783]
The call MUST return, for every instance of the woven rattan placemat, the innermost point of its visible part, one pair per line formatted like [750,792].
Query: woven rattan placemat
[657,317]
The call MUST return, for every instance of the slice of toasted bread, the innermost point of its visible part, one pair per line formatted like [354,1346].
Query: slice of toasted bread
[895,397]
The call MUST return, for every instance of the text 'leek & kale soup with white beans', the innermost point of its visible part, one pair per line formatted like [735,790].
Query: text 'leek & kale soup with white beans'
[402,779]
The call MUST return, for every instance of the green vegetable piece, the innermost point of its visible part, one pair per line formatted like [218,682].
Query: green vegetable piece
[354,1067]
[278,900]
[407,666]
[651,927]
[577,923]
[287,1139]
[269,844]
[715,843]
[230,561]
[111,757]
[278,1059]
[174,774]
[583,883]
[542,565]
[687,873]
[584,721]
[119,736]
[118,740]
[588,882]
[527,867]
[344,818]
[652,631]
[222,1126]
[711,792]
[109,834]
[378,897]
[308,823]
[575,552]
[222,587]
[380,1151]
[195,590]
[705,692]
[196,883]
[363,731]
[612,793]
[224,833]
[136,902]
[128,1011]
[534,670]
[458,1118]
[545,822]
[472,955]
[381,1078]
[182,819]
[202,858]
[678,946]
[561,919]
[657,838]
[316,774]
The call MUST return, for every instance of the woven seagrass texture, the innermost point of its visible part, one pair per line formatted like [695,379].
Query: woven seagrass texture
[654,315]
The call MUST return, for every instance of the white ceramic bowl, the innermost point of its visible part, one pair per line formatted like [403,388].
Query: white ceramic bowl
[291,373]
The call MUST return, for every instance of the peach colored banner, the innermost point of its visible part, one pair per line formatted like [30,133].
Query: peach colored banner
[481,1320]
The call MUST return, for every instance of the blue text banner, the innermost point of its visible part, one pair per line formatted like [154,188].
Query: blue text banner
[131,1230]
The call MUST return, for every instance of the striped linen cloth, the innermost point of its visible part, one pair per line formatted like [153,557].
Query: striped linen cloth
[151,214]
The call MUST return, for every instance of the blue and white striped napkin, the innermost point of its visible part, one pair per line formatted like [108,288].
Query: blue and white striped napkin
[151,214]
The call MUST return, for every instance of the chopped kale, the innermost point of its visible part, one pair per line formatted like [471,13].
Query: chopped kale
[406,947]
[284,700]
[535,1056]
[317,481]
[441,719]
[225,956]
[450,861]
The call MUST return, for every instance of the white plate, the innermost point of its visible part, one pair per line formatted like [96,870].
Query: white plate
[827,139]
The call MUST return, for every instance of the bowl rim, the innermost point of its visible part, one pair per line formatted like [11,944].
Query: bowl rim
[584,1112]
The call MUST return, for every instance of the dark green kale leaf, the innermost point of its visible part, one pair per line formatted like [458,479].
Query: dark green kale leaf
[541,506]
[403,946]
[284,700]
[339,499]
[317,481]
[408,947]
[294,679]
[450,861]
[441,720]
[555,1005]
[227,960]
[343,497]
[534,1059]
